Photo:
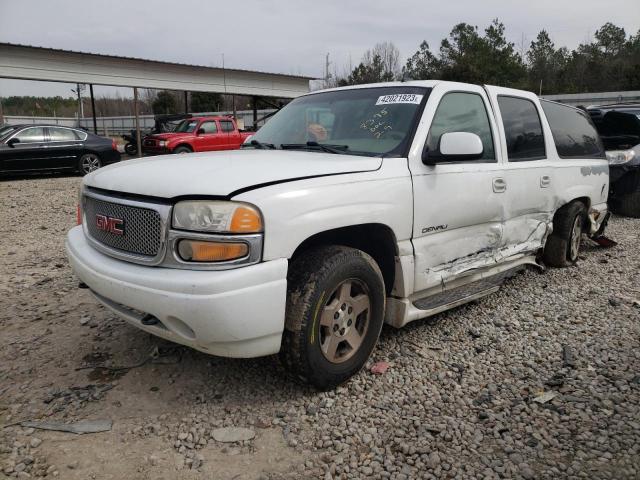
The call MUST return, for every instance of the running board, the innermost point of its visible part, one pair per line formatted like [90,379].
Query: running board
[400,311]
[465,293]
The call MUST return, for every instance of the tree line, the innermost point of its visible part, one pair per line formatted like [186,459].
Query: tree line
[610,62]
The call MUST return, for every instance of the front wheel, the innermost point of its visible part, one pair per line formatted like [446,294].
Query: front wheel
[335,311]
[182,149]
[629,205]
[563,245]
[88,163]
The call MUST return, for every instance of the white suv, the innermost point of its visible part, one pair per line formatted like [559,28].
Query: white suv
[351,207]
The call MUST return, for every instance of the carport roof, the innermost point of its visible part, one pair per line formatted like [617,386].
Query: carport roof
[50,64]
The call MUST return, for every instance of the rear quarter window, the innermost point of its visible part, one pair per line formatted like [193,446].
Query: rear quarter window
[573,131]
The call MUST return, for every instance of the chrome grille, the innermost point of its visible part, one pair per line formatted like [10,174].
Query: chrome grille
[142,227]
[148,142]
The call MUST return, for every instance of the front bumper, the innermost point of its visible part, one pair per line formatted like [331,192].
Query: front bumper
[230,313]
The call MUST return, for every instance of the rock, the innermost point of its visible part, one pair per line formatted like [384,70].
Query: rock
[73,465]
[545,397]
[35,442]
[312,409]
[232,434]
[434,460]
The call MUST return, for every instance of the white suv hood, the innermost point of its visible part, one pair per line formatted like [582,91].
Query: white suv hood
[221,173]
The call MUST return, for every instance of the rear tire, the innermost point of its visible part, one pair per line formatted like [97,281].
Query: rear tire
[563,245]
[182,149]
[88,163]
[629,205]
[130,149]
[335,310]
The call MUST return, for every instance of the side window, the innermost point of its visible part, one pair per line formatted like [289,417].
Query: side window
[462,112]
[209,127]
[573,133]
[31,135]
[62,135]
[522,129]
[226,126]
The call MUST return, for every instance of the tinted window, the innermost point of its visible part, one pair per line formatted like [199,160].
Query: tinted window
[573,132]
[62,135]
[226,126]
[31,135]
[209,127]
[462,112]
[522,129]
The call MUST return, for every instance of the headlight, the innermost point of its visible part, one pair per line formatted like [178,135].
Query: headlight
[217,216]
[163,143]
[618,157]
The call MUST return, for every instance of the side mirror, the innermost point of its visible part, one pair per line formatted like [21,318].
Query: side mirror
[13,141]
[200,131]
[455,146]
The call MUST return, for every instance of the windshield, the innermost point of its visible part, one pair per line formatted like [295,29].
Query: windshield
[6,130]
[186,126]
[364,121]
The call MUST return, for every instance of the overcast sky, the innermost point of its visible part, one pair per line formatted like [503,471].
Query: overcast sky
[285,36]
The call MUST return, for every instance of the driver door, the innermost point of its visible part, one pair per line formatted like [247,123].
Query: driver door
[209,137]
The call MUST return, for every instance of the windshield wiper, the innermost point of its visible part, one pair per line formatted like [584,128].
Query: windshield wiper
[322,146]
[259,145]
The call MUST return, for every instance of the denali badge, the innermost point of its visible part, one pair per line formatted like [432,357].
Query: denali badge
[110,224]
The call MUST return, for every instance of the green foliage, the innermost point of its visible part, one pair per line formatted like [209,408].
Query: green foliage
[165,103]
[205,102]
[611,62]
[40,106]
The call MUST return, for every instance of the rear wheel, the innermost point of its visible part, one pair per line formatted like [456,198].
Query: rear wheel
[335,310]
[130,149]
[563,245]
[88,163]
[182,149]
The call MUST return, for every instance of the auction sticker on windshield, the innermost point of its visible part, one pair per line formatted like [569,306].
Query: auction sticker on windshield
[399,98]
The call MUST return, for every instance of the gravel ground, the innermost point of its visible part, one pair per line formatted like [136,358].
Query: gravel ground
[463,397]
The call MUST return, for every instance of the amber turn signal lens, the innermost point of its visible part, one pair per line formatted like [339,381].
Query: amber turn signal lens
[197,251]
[246,220]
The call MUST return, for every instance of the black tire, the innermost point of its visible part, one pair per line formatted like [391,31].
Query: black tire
[313,281]
[130,149]
[629,205]
[558,251]
[88,163]
[182,149]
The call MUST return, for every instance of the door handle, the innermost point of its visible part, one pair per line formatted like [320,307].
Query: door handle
[499,185]
[545,181]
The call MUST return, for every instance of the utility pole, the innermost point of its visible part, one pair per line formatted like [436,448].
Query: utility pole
[327,75]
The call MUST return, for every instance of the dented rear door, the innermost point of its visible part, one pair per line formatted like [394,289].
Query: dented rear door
[527,149]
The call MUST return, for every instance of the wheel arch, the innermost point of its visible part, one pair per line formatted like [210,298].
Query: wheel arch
[376,239]
[183,144]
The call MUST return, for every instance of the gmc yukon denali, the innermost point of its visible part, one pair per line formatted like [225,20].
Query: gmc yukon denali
[351,207]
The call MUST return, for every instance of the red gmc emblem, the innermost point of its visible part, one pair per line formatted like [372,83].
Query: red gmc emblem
[110,224]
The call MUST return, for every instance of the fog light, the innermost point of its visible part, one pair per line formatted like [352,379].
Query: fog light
[199,251]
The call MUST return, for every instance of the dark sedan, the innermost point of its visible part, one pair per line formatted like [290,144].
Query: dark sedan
[30,148]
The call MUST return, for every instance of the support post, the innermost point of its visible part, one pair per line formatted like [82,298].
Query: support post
[137,115]
[233,106]
[186,102]
[93,109]
[255,114]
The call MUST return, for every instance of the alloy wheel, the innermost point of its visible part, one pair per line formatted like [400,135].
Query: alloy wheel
[344,321]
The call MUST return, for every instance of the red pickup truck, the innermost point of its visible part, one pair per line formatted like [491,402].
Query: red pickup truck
[197,134]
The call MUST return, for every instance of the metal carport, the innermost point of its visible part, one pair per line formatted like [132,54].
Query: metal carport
[48,64]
